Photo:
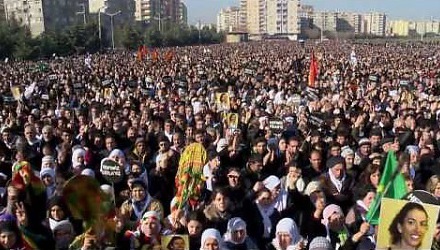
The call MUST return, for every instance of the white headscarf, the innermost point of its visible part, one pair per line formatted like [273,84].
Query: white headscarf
[211,233]
[235,224]
[77,153]
[288,226]
[118,153]
[280,202]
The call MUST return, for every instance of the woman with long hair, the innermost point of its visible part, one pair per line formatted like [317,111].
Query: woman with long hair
[409,227]
[370,176]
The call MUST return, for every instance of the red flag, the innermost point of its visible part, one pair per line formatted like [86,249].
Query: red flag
[139,55]
[169,56]
[144,51]
[154,55]
[313,71]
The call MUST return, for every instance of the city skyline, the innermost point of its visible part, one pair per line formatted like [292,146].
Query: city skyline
[207,10]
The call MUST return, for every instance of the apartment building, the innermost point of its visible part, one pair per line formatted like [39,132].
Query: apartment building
[325,21]
[349,22]
[41,15]
[270,17]
[228,20]
[374,23]
[183,14]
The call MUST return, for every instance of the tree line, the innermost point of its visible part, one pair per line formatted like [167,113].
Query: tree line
[16,40]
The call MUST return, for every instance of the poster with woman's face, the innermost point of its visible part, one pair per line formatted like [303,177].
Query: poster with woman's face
[406,225]
[222,100]
[175,242]
[232,120]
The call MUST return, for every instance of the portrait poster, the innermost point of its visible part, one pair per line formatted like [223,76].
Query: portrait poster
[16,93]
[175,242]
[411,225]
[222,101]
[107,93]
[232,120]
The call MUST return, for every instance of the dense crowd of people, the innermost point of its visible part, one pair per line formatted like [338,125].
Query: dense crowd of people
[297,168]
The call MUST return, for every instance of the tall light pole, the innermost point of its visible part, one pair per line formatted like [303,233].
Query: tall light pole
[323,25]
[99,23]
[199,27]
[158,16]
[112,28]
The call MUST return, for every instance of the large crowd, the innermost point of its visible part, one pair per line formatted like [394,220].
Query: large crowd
[298,168]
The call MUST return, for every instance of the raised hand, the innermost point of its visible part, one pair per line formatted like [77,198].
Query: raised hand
[20,213]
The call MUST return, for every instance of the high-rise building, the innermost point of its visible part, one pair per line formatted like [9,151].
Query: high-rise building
[433,27]
[255,16]
[243,15]
[143,10]
[228,19]
[183,14]
[349,22]
[282,17]
[325,21]
[421,27]
[171,9]
[163,10]
[305,14]
[374,23]
[399,27]
[41,15]
[270,17]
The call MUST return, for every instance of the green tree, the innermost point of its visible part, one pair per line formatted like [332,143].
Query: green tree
[6,42]
[130,37]
[153,37]
[26,49]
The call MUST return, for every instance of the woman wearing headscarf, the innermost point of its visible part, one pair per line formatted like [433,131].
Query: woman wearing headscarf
[119,157]
[287,236]
[18,232]
[336,231]
[146,236]
[78,162]
[12,237]
[261,218]
[140,202]
[47,176]
[236,237]
[212,240]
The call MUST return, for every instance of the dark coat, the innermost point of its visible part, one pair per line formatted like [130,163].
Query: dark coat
[255,225]
[343,198]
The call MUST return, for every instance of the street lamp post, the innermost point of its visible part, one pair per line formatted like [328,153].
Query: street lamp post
[112,28]
[99,23]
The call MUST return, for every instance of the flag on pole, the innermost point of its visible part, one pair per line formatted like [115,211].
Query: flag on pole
[169,55]
[155,55]
[392,185]
[313,71]
[142,53]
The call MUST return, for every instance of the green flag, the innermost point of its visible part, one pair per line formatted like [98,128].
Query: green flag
[392,185]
